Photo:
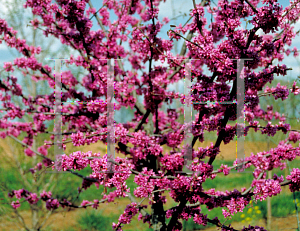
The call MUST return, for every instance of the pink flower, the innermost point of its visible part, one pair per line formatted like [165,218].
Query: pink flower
[166,20]
[52,204]
[295,180]
[15,204]
[42,150]
[295,89]
[225,169]
[8,67]
[35,23]
[21,193]
[200,219]
[266,188]
[78,139]
[96,204]
[84,203]
[252,228]
[130,211]
[32,198]
[39,166]
[45,195]
[294,136]
[2,135]
[29,152]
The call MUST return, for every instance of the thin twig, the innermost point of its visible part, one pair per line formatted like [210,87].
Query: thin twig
[85,137]
[41,155]
[252,7]
[286,13]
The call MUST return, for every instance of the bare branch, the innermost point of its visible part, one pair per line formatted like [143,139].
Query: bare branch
[252,7]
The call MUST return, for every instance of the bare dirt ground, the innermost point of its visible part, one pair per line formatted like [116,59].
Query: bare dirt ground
[64,220]
[283,223]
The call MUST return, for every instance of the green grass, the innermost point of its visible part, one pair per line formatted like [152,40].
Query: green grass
[282,205]
[9,181]
[92,220]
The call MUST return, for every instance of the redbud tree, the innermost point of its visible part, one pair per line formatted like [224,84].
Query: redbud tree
[217,44]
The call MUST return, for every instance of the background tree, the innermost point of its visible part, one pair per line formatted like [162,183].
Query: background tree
[12,153]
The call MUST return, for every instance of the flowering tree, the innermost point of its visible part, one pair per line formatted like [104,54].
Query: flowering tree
[156,170]
[13,156]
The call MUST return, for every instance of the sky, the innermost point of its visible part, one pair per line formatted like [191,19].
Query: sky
[168,9]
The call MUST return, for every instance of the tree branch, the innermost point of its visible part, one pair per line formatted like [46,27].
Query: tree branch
[252,7]
[41,155]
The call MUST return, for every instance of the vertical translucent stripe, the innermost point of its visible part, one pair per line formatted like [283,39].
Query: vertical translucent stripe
[110,116]
[58,149]
[188,137]
[240,144]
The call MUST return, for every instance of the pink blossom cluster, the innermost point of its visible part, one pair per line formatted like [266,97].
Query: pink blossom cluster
[100,167]
[266,188]
[84,203]
[144,145]
[74,161]
[78,139]
[38,167]
[272,159]
[200,219]
[94,204]
[235,205]
[294,136]
[173,161]
[125,218]
[278,92]
[208,151]
[145,218]
[144,188]
[51,203]
[295,178]
[225,169]
[31,198]
[253,228]
[295,89]
[266,115]
[230,133]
